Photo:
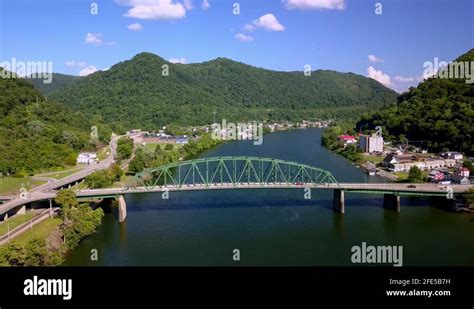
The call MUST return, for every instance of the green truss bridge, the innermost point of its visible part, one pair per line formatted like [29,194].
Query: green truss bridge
[232,171]
[240,172]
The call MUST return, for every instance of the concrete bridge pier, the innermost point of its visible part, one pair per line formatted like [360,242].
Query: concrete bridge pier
[338,201]
[122,209]
[392,202]
[21,210]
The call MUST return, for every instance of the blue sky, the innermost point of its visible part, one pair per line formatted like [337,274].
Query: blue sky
[274,34]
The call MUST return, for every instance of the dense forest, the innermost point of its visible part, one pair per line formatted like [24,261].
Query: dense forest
[439,114]
[36,133]
[144,93]
[58,81]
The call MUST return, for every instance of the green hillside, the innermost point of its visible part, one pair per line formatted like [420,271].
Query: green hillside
[134,93]
[440,111]
[37,134]
[58,81]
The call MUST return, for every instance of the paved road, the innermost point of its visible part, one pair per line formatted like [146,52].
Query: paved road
[45,191]
[403,189]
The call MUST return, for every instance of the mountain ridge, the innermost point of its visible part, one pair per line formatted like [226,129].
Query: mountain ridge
[191,93]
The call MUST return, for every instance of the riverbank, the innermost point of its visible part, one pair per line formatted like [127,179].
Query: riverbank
[275,227]
[50,239]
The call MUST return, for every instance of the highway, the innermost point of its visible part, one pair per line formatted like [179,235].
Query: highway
[46,191]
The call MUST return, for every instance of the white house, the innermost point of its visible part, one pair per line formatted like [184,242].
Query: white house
[452,155]
[86,157]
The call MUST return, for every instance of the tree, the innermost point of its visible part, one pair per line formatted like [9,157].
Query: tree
[13,254]
[116,172]
[36,252]
[78,222]
[66,198]
[169,147]
[158,150]
[414,174]
[124,148]
[138,163]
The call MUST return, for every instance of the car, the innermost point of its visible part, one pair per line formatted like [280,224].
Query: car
[411,186]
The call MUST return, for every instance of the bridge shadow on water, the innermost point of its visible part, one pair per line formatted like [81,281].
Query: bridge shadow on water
[255,198]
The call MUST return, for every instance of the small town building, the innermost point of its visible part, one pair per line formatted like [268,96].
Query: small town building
[452,155]
[86,157]
[461,176]
[371,144]
[346,139]
[436,176]
[182,139]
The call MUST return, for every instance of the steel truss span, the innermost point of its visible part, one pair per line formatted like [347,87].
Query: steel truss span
[231,170]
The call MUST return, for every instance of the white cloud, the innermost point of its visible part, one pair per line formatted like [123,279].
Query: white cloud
[73,64]
[315,4]
[267,21]
[379,76]
[155,9]
[93,38]
[404,79]
[243,38]
[373,58]
[178,60]
[135,27]
[87,70]
[205,4]
[188,4]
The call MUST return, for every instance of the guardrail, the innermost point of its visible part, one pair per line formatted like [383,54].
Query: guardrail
[21,228]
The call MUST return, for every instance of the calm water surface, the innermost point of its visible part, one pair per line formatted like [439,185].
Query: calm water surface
[275,226]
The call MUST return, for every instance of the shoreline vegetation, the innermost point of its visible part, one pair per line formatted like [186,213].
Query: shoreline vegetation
[75,222]
[363,160]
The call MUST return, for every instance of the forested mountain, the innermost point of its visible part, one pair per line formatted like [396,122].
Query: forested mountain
[135,93]
[58,81]
[439,111]
[37,134]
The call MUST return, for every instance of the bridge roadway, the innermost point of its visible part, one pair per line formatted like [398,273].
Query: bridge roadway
[421,189]
[424,189]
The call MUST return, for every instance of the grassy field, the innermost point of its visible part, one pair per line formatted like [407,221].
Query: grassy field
[103,153]
[150,147]
[54,169]
[15,221]
[123,181]
[61,174]
[404,175]
[13,185]
[42,230]
[372,159]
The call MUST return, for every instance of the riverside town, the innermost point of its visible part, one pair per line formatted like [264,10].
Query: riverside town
[251,146]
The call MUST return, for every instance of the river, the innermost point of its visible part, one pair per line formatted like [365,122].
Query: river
[274,227]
